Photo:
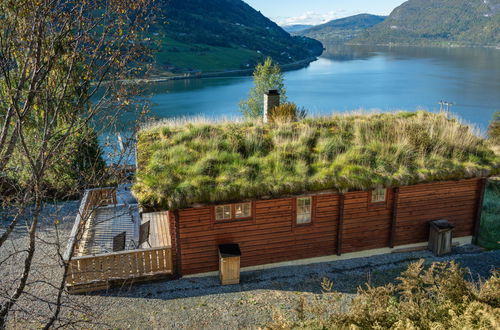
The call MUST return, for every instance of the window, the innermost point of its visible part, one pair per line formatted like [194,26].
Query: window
[304,207]
[243,210]
[379,195]
[223,212]
[233,212]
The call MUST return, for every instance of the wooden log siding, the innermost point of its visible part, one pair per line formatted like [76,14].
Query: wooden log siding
[479,208]
[452,201]
[173,219]
[366,225]
[272,236]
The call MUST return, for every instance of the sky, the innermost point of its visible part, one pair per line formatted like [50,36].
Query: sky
[289,12]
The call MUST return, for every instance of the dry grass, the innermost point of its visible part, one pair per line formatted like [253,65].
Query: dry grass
[494,129]
[286,112]
[438,297]
[184,162]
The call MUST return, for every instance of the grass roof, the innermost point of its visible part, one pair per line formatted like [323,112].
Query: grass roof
[182,163]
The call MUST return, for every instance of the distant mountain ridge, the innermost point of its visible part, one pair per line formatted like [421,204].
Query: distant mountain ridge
[343,29]
[220,35]
[439,22]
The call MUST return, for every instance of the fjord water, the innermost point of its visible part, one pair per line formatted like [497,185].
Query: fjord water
[350,78]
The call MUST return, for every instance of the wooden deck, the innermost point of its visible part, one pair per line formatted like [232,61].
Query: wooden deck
[92,264]
[159,232]
[106,223]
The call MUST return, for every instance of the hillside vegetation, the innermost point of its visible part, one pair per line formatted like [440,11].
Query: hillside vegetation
[439,296]
[489,233]
[440,23]
[218,35]
[184,163]
[341,30]
[494,129]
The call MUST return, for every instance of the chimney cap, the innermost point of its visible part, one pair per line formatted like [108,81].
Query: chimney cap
[272,92]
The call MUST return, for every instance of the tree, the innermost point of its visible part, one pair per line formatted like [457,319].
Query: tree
[266,76]
[494,129]
[64,65]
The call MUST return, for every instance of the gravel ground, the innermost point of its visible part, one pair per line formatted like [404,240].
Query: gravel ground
[201,303]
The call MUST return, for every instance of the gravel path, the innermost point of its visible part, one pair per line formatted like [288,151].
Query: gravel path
[201,303]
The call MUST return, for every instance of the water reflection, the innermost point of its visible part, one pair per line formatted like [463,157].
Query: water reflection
[341,52]
[353,77]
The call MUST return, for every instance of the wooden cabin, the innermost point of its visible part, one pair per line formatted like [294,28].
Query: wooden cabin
[297,192]
[322,224]
[319,187]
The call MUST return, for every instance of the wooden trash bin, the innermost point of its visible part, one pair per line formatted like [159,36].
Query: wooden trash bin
[440,237]
[229,264]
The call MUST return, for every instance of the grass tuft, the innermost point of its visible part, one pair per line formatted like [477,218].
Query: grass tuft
[188,161]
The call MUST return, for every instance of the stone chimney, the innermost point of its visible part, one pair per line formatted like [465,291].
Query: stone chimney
[271,100]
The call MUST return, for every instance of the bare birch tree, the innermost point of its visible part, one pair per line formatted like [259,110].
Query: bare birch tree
[65,65]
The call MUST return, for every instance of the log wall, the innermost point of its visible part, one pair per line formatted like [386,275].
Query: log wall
[272,235]
[366,225]
[456,202]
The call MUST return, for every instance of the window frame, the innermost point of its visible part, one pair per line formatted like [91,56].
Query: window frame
[373,193]
[224,206]
[232,212]
[296,211]
[235,217]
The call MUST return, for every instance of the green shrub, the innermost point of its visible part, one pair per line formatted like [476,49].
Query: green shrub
[78,165]
[489,230]
[494,129]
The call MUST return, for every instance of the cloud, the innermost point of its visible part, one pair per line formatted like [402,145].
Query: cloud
[311,18]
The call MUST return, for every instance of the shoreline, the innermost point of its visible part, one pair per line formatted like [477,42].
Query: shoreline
[431,45]
[221,74]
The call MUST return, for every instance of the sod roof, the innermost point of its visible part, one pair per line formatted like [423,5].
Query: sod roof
[181,163]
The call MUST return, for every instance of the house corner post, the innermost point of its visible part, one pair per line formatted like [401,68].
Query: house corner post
[394,217]
[178,256]
[479,209]
[340,226]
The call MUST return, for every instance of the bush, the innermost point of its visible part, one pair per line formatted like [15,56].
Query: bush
[489,231]
[438,297]
[494,129]
[285,113]
[78,165]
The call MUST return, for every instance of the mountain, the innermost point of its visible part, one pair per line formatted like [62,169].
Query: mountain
[440,23]
[221,35]
[344,29]
[296,28]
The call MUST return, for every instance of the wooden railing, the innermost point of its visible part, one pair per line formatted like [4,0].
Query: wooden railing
[92,199]
[96,272]
[120,266]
